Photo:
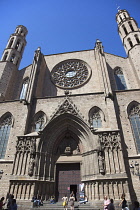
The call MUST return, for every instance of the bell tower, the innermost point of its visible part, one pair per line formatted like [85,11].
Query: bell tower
[130,36]
[15,46]
[11,59]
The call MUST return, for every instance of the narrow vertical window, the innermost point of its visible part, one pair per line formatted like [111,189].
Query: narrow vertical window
[134,117]
[125,30]
[5,127]
[120,80]
[5,56]
[39,123]
[24,89]
[130,42]
[137,38]
[131,27]
[124,15]
[10,43]
[96,120]
[121,18]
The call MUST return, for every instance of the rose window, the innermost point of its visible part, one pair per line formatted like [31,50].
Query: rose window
[70,73]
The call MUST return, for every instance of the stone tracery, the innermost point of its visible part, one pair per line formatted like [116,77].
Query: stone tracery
[70,73]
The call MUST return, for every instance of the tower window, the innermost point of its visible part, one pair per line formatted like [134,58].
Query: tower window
[12,58]
[120,80]
[124,15]
[134,117]
[121,18]
[137,38]
[24,89]
[5,56]
[5,127]
[130,24]
[125,30]
[11,42]
[130,42]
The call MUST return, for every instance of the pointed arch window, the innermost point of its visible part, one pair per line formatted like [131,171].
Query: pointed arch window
[120,80]
[39,121]
[24,89]
[5,126]
[134,118]
[95,117]
[5,56]
[10,43]
[137,38]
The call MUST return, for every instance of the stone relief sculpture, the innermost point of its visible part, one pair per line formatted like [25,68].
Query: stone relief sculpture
[101,163]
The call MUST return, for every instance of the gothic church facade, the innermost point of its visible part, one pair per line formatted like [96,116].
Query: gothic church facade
[71,118]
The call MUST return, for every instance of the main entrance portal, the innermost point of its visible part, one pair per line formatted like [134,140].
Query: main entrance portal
[67,179]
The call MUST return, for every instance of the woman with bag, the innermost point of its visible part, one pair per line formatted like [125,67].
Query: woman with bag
[123,203]
[65,202]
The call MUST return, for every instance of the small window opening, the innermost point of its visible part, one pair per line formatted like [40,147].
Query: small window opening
[130,24]
[137,39]
[125,30]
[11,42]
[124,15]
[121,18]
[130,42]
[5,56]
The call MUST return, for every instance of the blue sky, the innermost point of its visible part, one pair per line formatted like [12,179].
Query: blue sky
[59,26]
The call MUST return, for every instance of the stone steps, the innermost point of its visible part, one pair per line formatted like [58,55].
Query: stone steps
[58,206]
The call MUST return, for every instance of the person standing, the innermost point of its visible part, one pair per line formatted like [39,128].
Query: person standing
[106,202]
[123,203]
[65,202]
[72,199]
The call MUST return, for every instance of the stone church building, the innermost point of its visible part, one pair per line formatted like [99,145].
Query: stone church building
[71,119]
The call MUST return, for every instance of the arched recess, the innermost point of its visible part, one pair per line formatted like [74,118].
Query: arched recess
[65,128]
[6,122]
[133,111]
[96,117]
[61,124]
[39,121]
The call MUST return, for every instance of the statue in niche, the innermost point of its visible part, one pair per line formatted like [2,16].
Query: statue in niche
[68,150]
[31,165]
[101,163]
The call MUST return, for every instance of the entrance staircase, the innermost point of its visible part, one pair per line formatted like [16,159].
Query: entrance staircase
[58,206]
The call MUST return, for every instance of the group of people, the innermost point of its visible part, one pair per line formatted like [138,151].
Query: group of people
[71,200]
[37,202]
[10,203]
[108,204]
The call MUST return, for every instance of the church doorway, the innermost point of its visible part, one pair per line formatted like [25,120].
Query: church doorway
[68,179]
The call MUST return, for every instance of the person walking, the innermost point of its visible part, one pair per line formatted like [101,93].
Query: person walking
[106,202]
[72,199]
[65,202]
[111,205]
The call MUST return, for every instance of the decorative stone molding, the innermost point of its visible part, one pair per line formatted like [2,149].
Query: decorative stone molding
[110,140]
[67,107]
